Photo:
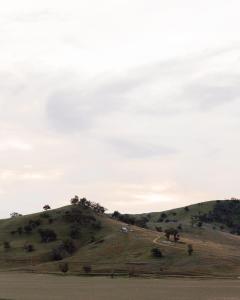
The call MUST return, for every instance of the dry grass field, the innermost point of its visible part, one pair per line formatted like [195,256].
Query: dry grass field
[20,286]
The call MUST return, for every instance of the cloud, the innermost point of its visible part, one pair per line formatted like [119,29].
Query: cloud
[20,175]
[15,144]
[207,96]
[165,89]
[140,149]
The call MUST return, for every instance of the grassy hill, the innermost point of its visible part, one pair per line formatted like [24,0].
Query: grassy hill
[218,214]
[90,241]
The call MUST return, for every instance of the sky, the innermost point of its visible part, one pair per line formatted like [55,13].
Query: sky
[133,104]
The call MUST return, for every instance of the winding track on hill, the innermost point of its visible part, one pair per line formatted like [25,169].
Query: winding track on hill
[157,242]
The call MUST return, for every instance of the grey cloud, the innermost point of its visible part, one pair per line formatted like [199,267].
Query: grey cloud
[78,109]
[206,97]
[140,149]
[69,111]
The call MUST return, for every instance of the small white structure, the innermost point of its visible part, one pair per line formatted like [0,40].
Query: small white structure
[124,229]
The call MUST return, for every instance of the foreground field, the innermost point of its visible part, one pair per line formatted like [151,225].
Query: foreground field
[35,286]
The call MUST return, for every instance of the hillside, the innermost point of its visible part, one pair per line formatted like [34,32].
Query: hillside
[92,242]
[218,214]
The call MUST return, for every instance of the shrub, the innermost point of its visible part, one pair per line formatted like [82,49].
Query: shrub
[142,222]
[6,245]
[179,227]
[74,232]
[69,246]
[15,214]
[190,249]
[58,253]
[75,200]
[64,267]
[19,230]
[158,228]
[65,249]
[116,214]
[87,269]
[34,223]
[156,252]
[172,232]
[28,247]
[47,235]
[27,229]
[50,221]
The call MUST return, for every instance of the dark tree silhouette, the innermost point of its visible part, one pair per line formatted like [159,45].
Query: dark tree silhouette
[46,207]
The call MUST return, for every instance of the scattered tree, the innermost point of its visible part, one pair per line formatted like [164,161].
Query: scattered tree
[156,252]
[15,214]
[116,214]
[28,247]
[158,228]
[87,269]
[190,249]
[64,267]
[179,227]
[47,235]
[6,245]
[75,200]
[20,230]
[172,232]
[27,229]
[46,207]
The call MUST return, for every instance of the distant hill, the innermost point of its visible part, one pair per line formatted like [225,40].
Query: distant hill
[220,214]
[93,242]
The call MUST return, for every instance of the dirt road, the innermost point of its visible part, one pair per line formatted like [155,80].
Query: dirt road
[49,287]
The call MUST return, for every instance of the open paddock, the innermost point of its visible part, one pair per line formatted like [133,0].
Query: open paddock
[26,286]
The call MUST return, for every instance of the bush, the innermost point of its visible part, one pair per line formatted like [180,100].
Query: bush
[156,252]
[74,232]
[15,214]
[190,249]
[47,235]
[179,227]
[65,249]
[87,269]
[58,254]
[20,230]
[6,245]
[158,228]
[28,247]
[74,200]
[172,232]
[50,221]
[27,229]
[69,246]
[64,267]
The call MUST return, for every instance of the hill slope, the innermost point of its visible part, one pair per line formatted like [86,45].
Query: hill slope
[94,242]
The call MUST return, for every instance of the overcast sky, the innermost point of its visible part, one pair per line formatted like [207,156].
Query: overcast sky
[134,104]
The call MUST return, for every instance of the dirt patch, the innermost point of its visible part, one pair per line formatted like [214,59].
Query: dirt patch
[35,286]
